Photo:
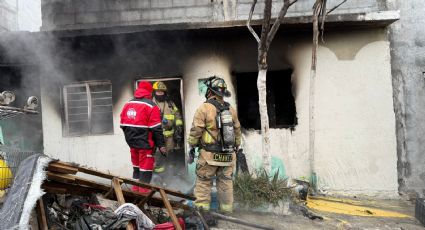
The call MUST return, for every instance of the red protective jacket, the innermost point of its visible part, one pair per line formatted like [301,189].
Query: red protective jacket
[141,120]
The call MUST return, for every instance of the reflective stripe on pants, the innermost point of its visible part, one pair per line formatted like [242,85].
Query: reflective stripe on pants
[205,173]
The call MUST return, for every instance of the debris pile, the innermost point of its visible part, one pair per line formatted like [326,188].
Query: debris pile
[74,202]
[58,195]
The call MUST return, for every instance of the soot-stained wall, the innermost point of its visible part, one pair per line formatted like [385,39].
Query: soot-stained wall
[408,70]
[356,151]
[22,77]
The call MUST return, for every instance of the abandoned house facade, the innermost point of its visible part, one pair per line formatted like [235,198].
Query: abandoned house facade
[90,55]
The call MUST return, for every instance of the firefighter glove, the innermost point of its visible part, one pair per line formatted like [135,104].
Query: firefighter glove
[163,151]
[191,157]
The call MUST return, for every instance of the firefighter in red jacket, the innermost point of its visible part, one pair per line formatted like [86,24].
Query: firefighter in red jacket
[141,123]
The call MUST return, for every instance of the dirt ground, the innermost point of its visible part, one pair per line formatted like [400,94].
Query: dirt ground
[332,220]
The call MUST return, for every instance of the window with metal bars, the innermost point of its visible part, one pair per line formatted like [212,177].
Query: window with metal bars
[88,108]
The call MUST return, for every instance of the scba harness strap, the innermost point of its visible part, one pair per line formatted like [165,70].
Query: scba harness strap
[225,128]
[220,107]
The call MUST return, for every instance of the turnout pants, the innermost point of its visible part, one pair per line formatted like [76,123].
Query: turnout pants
[160,160]
[143,162]
[204,182]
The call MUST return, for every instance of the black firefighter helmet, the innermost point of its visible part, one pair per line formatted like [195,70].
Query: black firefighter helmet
[218,86]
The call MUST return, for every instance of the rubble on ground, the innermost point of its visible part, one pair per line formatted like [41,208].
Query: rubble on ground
[65,199]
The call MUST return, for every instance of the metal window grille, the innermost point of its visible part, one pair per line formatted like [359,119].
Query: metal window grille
[88,108]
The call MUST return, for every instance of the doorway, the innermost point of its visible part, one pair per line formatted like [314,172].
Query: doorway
[174,163]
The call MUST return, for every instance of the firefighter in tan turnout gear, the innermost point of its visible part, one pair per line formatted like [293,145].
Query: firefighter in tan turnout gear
[172,123]
[217,132]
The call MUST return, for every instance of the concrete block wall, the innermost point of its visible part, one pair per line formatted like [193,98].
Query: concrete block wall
[408,71]
[80,14]
[8,18]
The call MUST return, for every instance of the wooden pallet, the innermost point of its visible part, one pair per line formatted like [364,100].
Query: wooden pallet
[62,179]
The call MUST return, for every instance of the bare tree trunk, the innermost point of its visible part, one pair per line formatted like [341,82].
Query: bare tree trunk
[262,86]
[262,101]
[264,41]
[317,9]
[319,16]
[313,176]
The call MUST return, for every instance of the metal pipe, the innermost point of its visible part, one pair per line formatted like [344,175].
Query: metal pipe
[242,222]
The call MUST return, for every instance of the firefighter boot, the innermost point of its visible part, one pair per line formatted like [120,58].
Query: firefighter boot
[136,172]
[145,177]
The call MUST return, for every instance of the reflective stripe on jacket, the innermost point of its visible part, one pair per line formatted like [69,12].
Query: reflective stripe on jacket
[141,123]
[171,115]
[205,118]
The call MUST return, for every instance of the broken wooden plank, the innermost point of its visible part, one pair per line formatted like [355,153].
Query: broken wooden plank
[116,184]
[66,178]
[92,184]
[81,190]
[170,210]
[41,215]
[53,188]
[127,180]
[70,184]
[146,199]
[60,168]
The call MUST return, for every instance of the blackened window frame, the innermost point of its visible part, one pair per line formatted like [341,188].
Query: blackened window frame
[279,85]
[90,105]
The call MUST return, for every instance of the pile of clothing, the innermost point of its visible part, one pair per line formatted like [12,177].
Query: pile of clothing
[81,214]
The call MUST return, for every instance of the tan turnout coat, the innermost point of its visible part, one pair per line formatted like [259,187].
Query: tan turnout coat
[205,118]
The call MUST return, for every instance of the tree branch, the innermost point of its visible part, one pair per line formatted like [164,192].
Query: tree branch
[323,18]
[267,14]
[248,23]
[317,9]
[335,7]
[265,29]
[279,20]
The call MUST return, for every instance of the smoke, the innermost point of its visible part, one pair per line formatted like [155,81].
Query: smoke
[42,63]
[24,57]
[51,60]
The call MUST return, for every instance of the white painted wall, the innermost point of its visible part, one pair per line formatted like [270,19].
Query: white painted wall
[355,122]
[108,153]
[200,66]
[356,142]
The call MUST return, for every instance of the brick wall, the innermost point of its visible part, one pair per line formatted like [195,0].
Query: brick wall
[77,14]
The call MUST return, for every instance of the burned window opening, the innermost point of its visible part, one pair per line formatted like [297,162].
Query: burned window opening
[88,108]
[280,101]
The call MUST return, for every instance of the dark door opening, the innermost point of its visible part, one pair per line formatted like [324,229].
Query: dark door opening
[174,164]
[280,101]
